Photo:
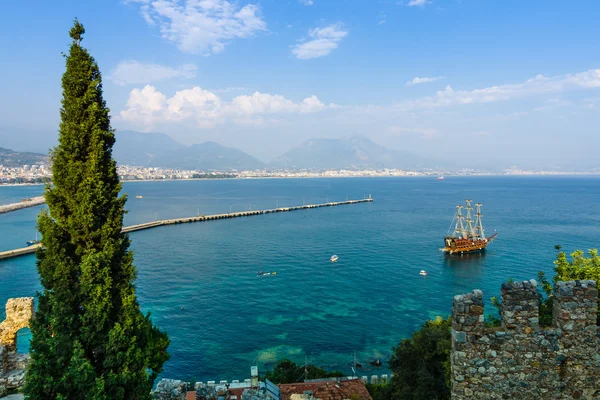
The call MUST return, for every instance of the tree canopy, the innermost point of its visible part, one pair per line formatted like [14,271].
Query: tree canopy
[89,337]
[579,267]
[421,364]
[287,371]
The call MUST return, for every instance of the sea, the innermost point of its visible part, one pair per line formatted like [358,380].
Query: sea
[199,281]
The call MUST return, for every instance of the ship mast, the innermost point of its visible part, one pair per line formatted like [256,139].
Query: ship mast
[479,223]
[470,229]
[460,228]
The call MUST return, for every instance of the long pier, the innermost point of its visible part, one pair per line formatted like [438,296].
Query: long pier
[148,225]
[35,201]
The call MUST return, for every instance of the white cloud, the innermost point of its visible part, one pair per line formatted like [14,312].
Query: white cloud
[418,3]
[147,107]
[306,2]
[144,107]
[134,72]
[202,26]
[195,103]
[540,85]
[417,80]
[324,41]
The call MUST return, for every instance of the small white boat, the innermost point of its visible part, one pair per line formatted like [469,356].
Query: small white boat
[440,178]
[423,273]
[334,258]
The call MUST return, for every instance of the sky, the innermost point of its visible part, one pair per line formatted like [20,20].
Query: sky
[511,81]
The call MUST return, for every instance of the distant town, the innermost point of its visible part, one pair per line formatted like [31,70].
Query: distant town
[36,174]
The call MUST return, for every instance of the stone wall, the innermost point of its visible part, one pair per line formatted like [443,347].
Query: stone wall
[12,365]
[18,314]
[520,360]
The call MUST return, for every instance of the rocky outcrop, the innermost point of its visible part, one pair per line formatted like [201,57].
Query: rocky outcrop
[170,389]
[520,360]
[18,314]
[12,364]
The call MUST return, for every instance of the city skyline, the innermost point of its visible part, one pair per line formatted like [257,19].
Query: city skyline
[516,82]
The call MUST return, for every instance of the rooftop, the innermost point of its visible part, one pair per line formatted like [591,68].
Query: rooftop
[328,390]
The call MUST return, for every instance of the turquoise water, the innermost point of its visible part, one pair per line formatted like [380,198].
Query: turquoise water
[366,302]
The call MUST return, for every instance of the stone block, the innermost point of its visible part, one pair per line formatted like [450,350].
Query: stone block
[527,362]
[19,312]
[170,389]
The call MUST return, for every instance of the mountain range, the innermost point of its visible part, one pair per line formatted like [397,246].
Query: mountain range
[13,159]
[354,152]
[160,150]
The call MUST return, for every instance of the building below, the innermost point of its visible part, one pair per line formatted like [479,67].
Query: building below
[325,389]
[251,389]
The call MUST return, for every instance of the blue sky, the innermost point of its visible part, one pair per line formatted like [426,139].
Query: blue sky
[498,81]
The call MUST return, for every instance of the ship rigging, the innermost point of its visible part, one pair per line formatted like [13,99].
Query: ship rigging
[467,236]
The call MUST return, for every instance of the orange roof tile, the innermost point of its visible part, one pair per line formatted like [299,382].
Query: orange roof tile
[327,390]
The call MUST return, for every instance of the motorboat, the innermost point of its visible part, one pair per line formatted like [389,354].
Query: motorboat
[334,258]
[423,273]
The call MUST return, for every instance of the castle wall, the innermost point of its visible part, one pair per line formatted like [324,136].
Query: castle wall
[19,312]
[519,360]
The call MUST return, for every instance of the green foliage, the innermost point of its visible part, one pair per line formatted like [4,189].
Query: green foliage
[579,267]
[287,371]
[546,300]
[89,337]
[380,391]
[421,364]
[492,321]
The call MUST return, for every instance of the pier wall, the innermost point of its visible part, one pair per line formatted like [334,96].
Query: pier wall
[36,201]
[520,360]
[201,218]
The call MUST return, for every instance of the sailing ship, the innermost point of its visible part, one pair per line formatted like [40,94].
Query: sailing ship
[468,236]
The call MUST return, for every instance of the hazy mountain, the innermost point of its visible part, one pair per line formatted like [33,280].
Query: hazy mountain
[350,152]
[10,158]
[142,149]
[159,150]
[208,156]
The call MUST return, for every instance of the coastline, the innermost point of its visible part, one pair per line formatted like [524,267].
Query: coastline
[532,174]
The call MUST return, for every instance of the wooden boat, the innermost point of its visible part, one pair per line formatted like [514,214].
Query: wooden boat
[468,236]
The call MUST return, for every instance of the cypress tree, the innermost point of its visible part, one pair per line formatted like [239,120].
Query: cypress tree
[89,337]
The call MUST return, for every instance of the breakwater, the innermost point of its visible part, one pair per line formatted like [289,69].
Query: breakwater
[200,218]
[35,201]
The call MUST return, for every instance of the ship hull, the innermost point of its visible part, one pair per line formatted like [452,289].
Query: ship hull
[471,250]
[456,245]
